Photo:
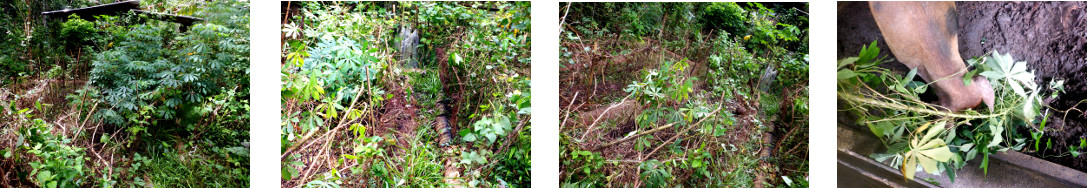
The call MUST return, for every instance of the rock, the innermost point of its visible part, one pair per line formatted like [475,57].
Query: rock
[408,47]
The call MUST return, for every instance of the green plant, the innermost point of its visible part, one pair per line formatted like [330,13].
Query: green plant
[798,183]
[342,66]
[727,16]
[153,73]
[768,33]
[677,136]
[339,51]
[158,86]
[663,85]
[290,170]
[585,163]
[76,30]
[899,118]
[58,164]
[488,128]
[655,174]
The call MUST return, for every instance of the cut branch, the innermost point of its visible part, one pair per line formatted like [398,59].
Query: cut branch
[636,136]
[719,107]
[587,131]
[895,106]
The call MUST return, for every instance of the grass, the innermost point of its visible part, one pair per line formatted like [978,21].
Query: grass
[191,170]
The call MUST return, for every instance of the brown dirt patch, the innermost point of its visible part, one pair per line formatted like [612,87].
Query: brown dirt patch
[398,115]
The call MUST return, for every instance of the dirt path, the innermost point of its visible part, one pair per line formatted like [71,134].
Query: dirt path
[398,119]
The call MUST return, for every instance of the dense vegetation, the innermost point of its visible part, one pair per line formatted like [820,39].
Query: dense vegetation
[357,113]
[683,94]
[918,134]
[124,99]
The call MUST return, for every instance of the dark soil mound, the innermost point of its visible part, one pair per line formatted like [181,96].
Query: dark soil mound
[1050,36]
[398,119]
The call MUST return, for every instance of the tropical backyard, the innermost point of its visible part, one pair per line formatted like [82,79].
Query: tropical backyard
[126,94]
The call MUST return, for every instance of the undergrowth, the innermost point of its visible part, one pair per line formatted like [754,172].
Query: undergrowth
[348,92]
[705,95]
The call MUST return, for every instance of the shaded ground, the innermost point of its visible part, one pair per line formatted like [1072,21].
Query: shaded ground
[397,121]
[588,91]
[1050,36]
[399,114]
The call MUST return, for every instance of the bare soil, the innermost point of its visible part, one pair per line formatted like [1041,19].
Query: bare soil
[1050,36]
[398,117]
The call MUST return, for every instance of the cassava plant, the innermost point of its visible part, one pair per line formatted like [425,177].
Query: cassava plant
[921,135]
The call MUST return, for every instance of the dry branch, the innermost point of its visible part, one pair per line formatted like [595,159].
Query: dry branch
[305,139]
[719,106]
[567,116]
[636,136]
[587,131]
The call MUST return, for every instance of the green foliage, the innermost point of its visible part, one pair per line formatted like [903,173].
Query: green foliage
[799,182]
[332,72]
[727,16]
[584,164]
[290,170]
[58,164]
[76,30]
[154,73]
[1013,74]
[766,32]
[486,132]
[668,84]
[940,150]
[488,128]
[655,174]
[146,80]
[51,159]
[10,68]
[730,66]
[699,59]
[927,152]
[30,42]
[338,51]
[181,168]
[344,67]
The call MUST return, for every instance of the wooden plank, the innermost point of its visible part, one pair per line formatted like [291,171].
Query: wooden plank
[88,13]
[183,20]
[109,8]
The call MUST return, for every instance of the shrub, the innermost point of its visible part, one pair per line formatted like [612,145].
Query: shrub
[58,164]
[727,16]
[149,75]
[76,30]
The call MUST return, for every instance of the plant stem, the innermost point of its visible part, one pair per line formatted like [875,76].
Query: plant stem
[855,98]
